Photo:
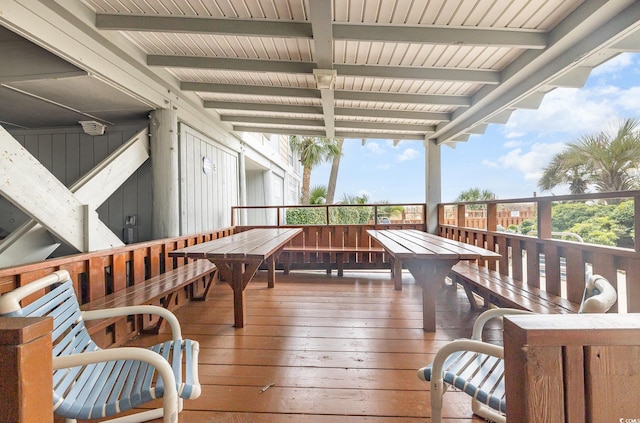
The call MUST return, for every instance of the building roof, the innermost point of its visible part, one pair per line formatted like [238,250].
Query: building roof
[389,69]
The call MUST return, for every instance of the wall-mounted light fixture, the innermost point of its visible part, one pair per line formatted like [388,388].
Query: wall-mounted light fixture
[325,78]
[91,127]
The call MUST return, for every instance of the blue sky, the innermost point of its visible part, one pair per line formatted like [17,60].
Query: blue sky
[507,159]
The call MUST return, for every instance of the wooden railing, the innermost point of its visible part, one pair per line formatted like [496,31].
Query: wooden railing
[307,251]
[557,266]
[329,214]
[100,273]
[342,226]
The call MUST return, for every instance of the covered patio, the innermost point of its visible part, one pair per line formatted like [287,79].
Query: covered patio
[130,129]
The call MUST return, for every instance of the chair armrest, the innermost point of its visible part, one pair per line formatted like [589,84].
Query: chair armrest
[140,309]
[484,317]
[124,353]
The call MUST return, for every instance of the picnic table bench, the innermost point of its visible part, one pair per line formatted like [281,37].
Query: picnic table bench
[158,290]
[332,256]
[505,291]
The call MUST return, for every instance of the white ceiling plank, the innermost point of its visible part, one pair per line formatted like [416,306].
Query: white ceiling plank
[442,36]
[387,97]
[465,75]
[392,114]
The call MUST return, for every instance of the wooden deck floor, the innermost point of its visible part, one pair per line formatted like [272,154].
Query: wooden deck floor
[333,350]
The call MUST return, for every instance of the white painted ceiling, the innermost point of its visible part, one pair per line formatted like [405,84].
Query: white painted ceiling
[405,69]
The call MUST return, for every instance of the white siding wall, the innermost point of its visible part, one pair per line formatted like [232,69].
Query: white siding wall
[256,197]
[69,153]
[206,199]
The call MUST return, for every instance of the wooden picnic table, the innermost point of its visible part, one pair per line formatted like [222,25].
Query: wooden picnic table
[238,257]
[429,258]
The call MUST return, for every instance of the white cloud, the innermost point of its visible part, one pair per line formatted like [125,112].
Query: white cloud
[614,66]
[570,113]
[514,134]
[374,148]
[512,144]
[629,101]
[529,163]
[407,154]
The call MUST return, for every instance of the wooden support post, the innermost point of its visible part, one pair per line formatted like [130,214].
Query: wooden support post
[26,384]
[572,368]
[462,217]
[544,219]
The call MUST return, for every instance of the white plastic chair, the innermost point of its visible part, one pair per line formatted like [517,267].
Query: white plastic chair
[90,382]
[477,368]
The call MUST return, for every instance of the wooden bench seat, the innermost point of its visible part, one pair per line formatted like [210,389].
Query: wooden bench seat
[158,290]
[505,291]
[329,252]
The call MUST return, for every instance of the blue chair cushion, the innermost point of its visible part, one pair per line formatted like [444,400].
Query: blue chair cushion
[478,375]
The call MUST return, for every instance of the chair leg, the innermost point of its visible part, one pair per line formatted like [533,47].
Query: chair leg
[486,412]
[145,416]
[168,414]
[437,391]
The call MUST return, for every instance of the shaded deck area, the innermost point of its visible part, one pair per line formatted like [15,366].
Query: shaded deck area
[335,349]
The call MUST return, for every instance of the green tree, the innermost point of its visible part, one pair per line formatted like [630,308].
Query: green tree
[318,195]
[354,199]
[608,161]
[313,151]
[306,216]
[624,217]
[600,230]
[475,194]
[556,173]
[566,215]
[528,226]
[352,215]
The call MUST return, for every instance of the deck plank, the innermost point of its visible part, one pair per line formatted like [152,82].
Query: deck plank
[337,350]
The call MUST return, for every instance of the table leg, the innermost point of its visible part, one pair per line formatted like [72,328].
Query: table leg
[396,274]
[429,274]
[237,270]
[271,272]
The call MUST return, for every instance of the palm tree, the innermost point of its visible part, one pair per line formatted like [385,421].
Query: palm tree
[608,161]
[318,195]
[555,174]
[333,176]
[475,194]
[313,151]
[354,199]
